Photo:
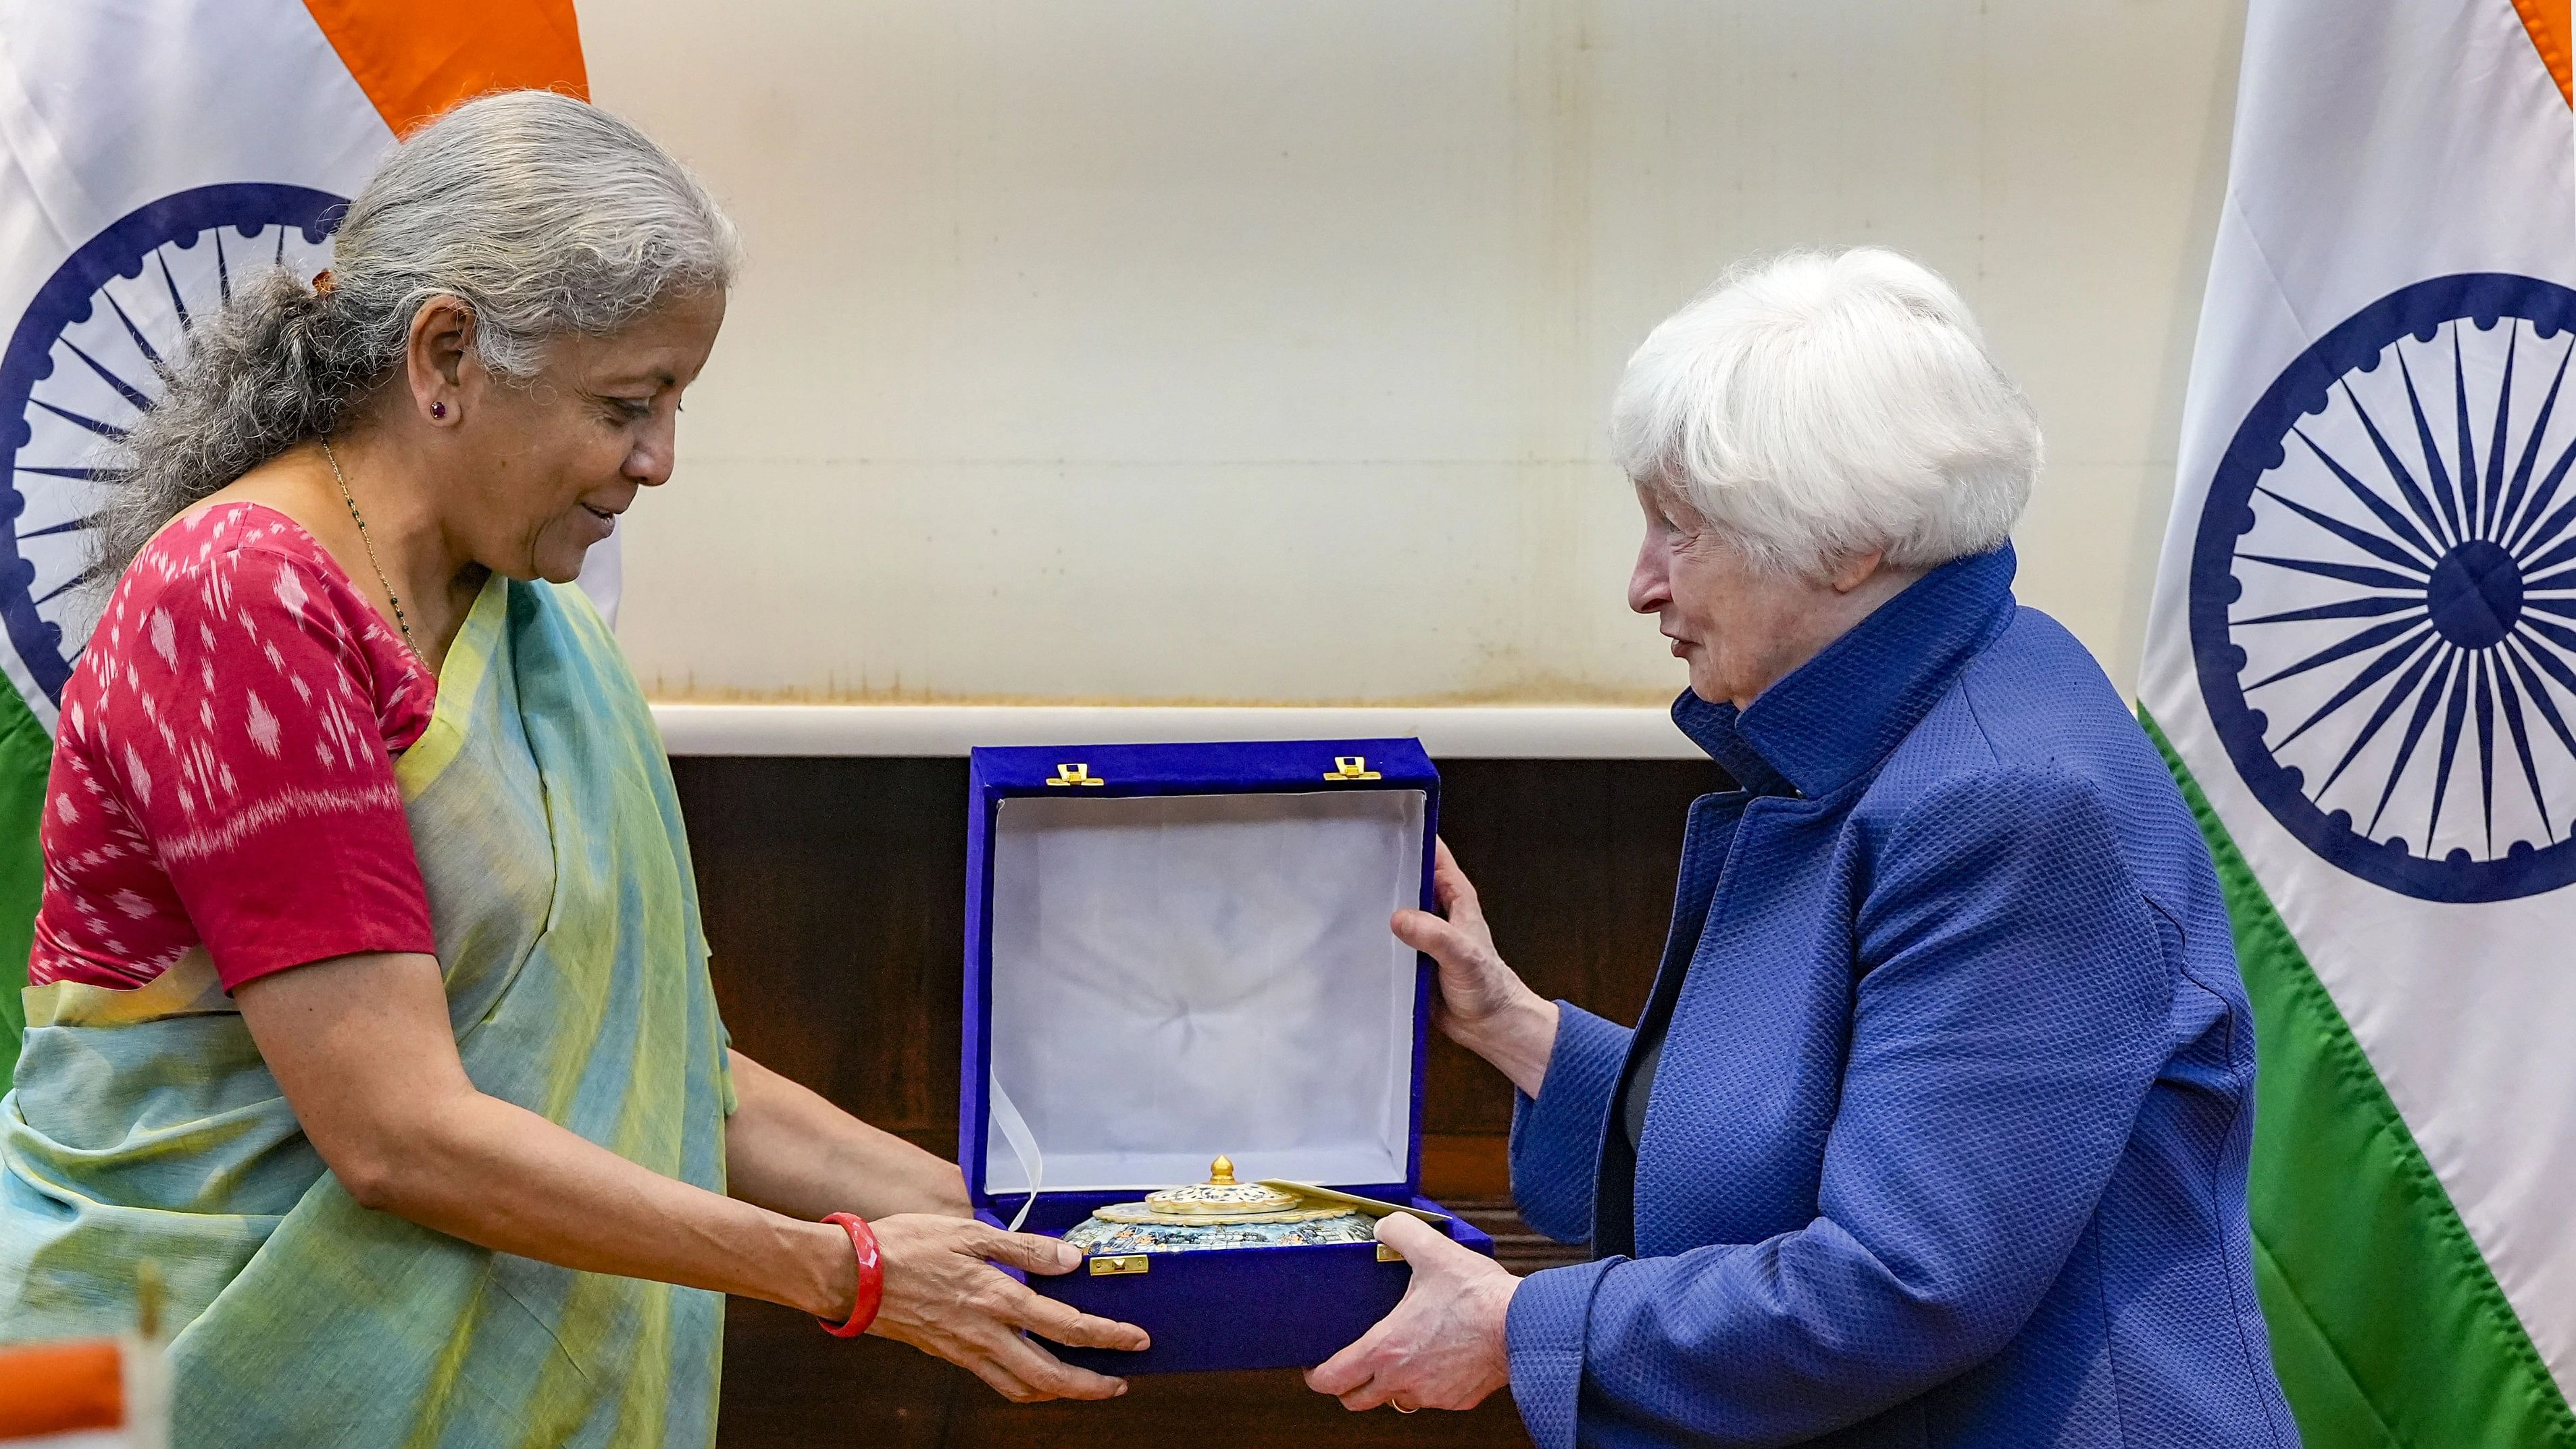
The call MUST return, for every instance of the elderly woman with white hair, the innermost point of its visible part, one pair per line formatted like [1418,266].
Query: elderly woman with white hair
[369,996]
[1934,1129]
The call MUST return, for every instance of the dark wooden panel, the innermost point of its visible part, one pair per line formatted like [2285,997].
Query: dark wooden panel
[834,896]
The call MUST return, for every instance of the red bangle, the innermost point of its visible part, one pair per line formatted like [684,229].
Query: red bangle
[863,1312]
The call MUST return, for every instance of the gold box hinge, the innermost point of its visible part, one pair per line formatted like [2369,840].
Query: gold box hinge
[1351,767]
[1386,1254]
[1119,1265]
[1075,774]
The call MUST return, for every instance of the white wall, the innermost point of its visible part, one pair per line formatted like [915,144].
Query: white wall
[1175,350]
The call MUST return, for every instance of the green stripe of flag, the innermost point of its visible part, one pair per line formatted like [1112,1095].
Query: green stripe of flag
[26,755]
[2388,1329]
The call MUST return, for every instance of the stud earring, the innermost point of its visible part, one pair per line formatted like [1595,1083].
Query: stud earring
[438,410]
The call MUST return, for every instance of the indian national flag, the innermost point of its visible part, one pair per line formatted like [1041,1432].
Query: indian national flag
[2363,665]
[150,151]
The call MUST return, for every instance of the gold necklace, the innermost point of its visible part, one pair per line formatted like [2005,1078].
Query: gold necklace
[360,519]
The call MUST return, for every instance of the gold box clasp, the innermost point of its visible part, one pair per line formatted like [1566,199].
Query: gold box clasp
[1075,774]
[1120,1265]
[1351,767]
[1386,1254]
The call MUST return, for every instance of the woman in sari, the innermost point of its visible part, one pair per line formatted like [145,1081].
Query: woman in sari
[370,1000]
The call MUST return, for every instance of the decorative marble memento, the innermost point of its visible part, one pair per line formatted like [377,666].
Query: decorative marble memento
[1165,943]
[1217,1213]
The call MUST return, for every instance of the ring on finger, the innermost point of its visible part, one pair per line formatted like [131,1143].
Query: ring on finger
[1400,1406]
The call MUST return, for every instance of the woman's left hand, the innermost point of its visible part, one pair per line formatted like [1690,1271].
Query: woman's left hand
[1482,1004]
[944,1296]
[1443,1346]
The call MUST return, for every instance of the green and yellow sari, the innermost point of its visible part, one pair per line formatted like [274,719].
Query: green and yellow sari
[145,1127]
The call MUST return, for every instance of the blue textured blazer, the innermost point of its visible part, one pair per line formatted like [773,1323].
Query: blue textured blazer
[1947,1145]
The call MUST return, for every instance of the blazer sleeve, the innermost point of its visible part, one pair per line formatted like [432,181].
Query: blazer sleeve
[1556,1136]
[2009,1017]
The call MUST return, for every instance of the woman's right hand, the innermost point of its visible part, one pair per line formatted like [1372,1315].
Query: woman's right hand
[1482,1006]
[944,1296]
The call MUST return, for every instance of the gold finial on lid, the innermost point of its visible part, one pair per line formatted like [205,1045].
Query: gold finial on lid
[1220,1199]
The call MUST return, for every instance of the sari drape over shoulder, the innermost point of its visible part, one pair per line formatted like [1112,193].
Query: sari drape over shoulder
[145,1126]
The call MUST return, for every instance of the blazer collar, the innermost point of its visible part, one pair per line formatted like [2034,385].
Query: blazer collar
[1836,716]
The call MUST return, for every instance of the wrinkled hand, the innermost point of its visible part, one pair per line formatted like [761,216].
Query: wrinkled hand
[944,1296]
[1443,1346]
[1482,1004]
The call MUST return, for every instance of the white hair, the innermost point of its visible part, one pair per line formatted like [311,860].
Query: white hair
[544,215]
[1816,406]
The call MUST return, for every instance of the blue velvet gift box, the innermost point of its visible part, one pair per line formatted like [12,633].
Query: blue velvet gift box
[1177,952]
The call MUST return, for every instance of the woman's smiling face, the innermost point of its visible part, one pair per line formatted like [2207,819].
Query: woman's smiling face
[561,456]
[1740,624]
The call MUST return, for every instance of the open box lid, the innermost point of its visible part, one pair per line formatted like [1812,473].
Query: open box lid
[1177,951]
